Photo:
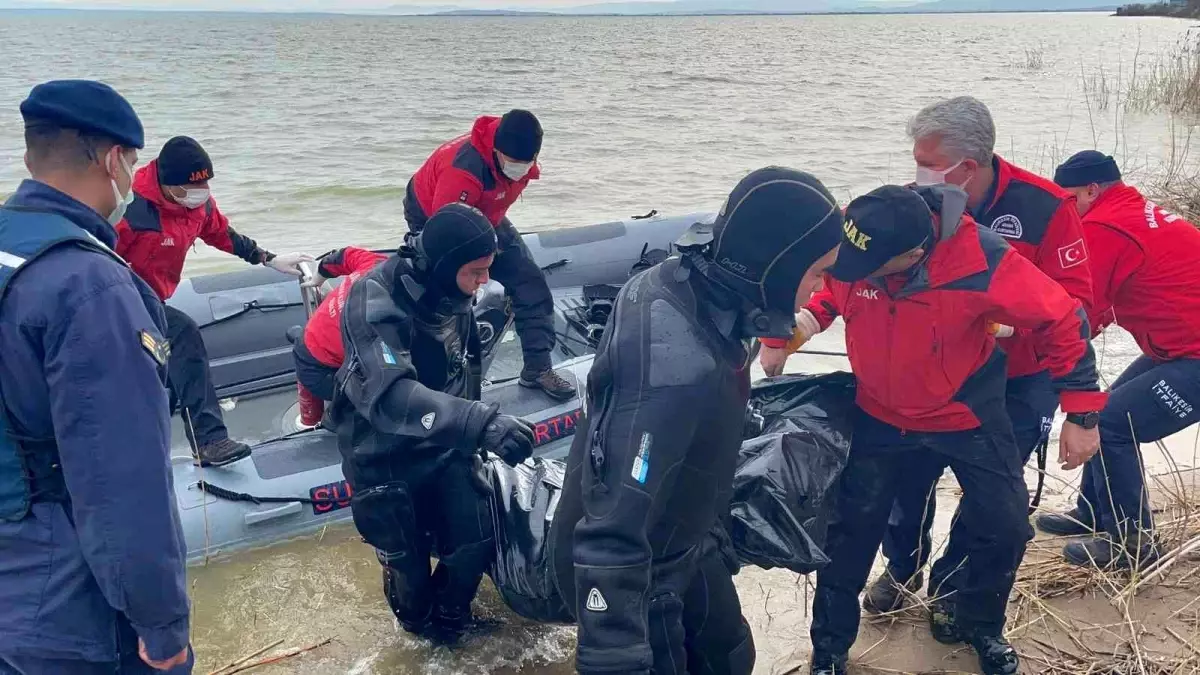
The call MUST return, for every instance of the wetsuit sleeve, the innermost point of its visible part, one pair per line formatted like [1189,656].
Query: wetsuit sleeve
[348,261]
[1114,257]
[218,234]
[456,185]
[381,377]
[644,411]
[1063,254]
[109,409]
[1022,296]
[824,307]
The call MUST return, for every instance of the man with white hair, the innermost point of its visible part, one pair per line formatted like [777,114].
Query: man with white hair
[954,142]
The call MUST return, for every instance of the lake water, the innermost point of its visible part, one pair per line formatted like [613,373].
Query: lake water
[316,123]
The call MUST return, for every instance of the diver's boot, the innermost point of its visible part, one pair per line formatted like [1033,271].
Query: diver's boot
[996,655]
[556,386]
[1070,524]
[1104,553]
[222,452]
[943,622]
[885,594]
[825,664]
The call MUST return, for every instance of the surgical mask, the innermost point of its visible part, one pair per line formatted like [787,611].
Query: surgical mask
[123,201]
[515,170]
[927,176]
[194,198]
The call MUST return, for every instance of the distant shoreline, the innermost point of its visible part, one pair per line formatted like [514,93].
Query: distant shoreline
[468,13]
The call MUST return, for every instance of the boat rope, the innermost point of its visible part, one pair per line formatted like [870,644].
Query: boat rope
[251,306]
[232,496]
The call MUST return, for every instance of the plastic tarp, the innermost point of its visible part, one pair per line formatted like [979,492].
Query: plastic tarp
[779,513]
[523,501]
[785,485]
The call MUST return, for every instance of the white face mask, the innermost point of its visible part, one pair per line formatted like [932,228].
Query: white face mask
[123,201]
[927,176]
[193,198]
[515,170]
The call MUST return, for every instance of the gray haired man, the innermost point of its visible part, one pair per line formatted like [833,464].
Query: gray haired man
[954,142]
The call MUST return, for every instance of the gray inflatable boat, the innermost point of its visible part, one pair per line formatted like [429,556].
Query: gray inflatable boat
[293,484]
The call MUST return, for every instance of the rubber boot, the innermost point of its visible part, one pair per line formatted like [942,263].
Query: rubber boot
[885,594]
[824,664]
[1070,524]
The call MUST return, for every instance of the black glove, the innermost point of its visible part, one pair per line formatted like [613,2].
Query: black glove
[509,437]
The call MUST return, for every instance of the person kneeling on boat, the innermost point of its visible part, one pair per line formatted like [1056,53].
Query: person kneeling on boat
[321,352]
[410,425]
[489,168]
[172,207]
[1146,266]
[651,469]
[920,285]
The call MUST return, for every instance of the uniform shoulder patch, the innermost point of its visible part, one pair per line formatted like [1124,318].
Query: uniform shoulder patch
[159,350]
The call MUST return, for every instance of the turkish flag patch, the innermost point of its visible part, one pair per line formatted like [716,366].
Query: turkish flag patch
[1072,254]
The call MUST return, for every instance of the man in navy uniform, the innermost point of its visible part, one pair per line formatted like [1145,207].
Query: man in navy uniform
[91,548]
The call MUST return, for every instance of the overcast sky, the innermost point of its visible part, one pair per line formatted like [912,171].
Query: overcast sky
[294,5]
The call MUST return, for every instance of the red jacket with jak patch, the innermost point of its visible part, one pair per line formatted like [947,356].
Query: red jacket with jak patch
[1039,220]
[1146,270]
[156,233]
[323,333]
[464,170]
[920,346]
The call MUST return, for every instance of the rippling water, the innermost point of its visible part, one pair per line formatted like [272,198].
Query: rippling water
[316,123]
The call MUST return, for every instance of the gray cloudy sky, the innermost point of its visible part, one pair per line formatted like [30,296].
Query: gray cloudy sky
[293,5]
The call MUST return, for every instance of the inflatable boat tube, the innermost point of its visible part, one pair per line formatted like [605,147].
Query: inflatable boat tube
[293,484]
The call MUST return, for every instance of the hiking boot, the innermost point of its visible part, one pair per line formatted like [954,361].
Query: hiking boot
[222,452]
[1073,523]
[996,656]
[885,594]
[1104,553]
[943,622]
[556,386]
[824,664]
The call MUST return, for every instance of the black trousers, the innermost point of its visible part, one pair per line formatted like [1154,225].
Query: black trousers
[694,616]
[524,283]
[994,512]
[444,514]
[1030,402]
[191,382]
[317,377]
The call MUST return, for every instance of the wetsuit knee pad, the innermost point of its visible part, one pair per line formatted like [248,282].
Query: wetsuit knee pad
[385,517]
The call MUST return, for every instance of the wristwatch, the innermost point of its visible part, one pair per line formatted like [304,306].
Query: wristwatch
[1087,420]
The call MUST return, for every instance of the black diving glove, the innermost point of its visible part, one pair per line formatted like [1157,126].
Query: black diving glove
[509,437]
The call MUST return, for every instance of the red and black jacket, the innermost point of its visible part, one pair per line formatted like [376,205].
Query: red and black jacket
[464,170]
[919,343]
[1039,220]
[1146,273]
[323,334]
[156,234]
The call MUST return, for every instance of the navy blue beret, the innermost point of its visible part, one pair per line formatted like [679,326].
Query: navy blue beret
[88,106]
[1087,167]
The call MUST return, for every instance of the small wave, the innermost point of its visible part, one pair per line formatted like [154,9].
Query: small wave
[396,191]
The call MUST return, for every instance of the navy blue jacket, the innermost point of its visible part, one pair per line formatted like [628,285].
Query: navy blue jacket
[74,368]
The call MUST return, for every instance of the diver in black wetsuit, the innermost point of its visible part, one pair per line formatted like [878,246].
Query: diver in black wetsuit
[410,425]
[653,460]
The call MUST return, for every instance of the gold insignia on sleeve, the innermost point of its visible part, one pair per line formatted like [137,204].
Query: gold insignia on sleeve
[159,350]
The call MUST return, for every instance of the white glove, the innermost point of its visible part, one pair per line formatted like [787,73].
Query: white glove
[314,281]
[1000,330]
[289,263]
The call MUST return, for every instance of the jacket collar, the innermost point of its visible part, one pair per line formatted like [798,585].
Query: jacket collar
[956,255]
[35,195]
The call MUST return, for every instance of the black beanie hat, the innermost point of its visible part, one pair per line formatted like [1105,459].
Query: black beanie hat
[182,161]
[1087,167]
[776,223]
[519,135]
[451,238]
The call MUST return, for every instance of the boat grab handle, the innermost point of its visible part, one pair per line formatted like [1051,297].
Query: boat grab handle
[276,513]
